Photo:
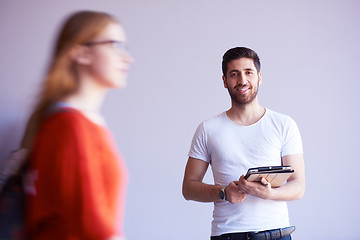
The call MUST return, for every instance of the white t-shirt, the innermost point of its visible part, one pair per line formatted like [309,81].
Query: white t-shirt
[231,149]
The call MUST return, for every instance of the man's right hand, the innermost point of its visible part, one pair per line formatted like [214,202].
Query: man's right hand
[233,193]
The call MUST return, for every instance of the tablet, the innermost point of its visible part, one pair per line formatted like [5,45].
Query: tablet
[276,175]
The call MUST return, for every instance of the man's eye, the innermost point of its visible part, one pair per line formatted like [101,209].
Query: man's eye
[234,75]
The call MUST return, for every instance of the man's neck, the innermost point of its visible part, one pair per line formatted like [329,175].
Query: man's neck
[246,114]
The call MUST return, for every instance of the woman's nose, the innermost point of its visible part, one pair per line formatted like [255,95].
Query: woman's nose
[127,57]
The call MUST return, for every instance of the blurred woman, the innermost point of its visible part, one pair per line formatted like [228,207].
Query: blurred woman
[77,179]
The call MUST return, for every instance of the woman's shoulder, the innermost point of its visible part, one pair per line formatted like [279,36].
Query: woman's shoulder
[66,120]
[65,115]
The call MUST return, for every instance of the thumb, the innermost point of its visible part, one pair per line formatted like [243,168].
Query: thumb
[242,177]
[264,182]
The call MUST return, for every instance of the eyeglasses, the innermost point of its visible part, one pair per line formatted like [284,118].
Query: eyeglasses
[118,45]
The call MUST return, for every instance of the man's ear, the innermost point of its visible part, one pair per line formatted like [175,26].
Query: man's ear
[224,81]
[260,78]
[80,54]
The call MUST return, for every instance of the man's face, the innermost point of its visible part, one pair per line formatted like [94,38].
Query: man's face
[242,81]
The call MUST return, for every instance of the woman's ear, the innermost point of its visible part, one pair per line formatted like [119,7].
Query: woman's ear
[80,54]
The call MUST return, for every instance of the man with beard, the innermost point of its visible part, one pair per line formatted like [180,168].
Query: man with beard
[247,135]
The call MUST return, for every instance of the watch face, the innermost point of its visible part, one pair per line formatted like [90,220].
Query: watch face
[222,194]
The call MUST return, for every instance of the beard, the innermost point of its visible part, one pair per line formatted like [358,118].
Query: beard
[243,99]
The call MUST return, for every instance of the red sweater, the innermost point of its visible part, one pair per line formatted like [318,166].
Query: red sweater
[79,181]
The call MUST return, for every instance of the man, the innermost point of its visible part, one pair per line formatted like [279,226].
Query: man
[247,135]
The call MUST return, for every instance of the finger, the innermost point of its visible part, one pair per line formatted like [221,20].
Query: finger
[242,177]
[264,182]
[243,197]
[236,183]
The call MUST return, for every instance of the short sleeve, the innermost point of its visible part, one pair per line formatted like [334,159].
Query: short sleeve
[198,148]
[292,143]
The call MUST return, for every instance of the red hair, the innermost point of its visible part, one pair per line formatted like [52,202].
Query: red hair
[60,80]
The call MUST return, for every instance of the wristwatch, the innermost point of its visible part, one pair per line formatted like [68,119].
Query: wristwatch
[222,194]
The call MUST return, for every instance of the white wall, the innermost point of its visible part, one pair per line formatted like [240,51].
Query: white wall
[310,56]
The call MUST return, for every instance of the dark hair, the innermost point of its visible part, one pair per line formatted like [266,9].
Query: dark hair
[239,52]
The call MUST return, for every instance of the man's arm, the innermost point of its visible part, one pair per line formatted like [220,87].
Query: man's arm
[294,188]
[195,189]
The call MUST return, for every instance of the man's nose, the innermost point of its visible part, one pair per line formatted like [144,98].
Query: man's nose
[242,79]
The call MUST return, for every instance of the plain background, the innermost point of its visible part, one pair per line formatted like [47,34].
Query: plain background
[310,60]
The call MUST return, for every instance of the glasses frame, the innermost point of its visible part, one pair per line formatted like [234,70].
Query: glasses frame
[119,45]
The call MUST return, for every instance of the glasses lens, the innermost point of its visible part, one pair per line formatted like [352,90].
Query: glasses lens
[119,45]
